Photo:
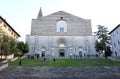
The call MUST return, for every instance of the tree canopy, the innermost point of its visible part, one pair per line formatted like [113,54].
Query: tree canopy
[24,47]
[102,45]
[8,45]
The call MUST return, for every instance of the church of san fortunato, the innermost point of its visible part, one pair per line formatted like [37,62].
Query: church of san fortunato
[61,34]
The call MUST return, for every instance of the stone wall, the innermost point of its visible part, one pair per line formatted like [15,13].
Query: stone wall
[47,25]
[3,66]
[72,44]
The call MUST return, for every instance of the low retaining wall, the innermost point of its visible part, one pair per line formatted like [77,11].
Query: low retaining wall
[5,61]
[14,59]
[22,57]
[3,66]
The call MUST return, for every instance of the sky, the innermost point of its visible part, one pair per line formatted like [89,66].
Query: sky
[19,13]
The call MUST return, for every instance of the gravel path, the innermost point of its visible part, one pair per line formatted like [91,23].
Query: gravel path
[19,72]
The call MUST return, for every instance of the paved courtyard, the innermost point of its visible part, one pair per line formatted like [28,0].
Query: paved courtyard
[60,73]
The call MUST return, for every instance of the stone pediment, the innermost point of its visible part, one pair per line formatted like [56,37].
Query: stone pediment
[64,15]
[47,25]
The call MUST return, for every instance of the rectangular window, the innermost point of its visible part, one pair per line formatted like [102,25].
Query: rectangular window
[5,25]
[9,29]
[61,29]
[0,22]
[11,33]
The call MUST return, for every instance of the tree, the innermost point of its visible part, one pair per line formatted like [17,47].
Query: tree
[4,43]
[8,45]
[5,46]
[108,51]
[24,47]
[99,47]
[1,36]
[20,45]
[13,45]
[102,46]
[18,52]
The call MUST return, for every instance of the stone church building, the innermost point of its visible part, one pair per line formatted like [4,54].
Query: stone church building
[61,34]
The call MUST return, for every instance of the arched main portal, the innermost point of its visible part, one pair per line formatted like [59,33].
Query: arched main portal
[61,47]
[61,50]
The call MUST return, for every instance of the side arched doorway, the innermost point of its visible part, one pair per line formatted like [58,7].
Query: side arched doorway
[43,51]
[43,54]
[81,53]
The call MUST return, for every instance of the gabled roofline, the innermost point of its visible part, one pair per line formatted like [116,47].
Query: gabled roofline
[66,13]
[9,25]
[114,28]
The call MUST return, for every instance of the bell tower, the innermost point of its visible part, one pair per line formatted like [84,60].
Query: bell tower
[40,15]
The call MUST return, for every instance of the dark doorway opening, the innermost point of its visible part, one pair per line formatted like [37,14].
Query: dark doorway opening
[43,54]
[80,54]
[62,52]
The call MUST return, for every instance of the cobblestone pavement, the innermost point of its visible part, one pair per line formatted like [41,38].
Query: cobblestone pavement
[101,72]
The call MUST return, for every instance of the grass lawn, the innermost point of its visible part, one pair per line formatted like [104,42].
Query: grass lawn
[66,62]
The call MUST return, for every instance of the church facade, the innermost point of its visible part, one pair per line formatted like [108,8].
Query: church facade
[61,34]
